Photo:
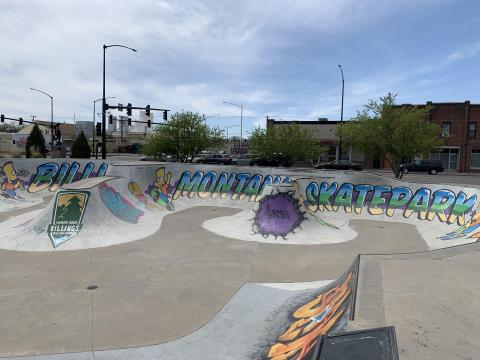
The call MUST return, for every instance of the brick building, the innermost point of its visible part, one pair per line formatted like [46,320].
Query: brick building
[459,123]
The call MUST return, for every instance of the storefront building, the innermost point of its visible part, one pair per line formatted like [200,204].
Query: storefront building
[459,123]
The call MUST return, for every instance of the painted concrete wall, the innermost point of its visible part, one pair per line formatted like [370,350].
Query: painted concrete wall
[278,205]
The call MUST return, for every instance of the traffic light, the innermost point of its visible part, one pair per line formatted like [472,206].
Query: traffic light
[20,121]
[120,107]
[98,129]
[2,118]
[165,115]
[129,121]
[147,110]
[149,123]
[106,107]
[129,109]
[110,119]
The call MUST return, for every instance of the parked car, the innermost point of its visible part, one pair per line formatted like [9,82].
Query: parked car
[276,159]
[243,159]
[339,165]
[219,159]
[430,166]
[200,157]
[147,158]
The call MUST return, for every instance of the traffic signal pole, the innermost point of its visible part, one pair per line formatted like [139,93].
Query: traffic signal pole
[147,109]
[104,140]
[104,137]
[19,120]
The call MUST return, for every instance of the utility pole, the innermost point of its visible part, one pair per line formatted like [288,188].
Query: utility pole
[341,114]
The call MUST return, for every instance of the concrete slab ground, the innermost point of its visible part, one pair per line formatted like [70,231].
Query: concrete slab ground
[471,179]
[184,292]
[430,297]
[159,288]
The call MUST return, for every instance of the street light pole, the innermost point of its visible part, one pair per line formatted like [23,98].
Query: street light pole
[228,127]
[341,113]
[51,117]
[241,119]
[94,152]
[210,116]
[104,150]
[241,126]
[104,140]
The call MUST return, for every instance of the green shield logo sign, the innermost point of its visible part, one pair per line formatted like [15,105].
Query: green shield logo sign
[67,216]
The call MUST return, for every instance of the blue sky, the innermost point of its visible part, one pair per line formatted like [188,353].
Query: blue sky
[276,57]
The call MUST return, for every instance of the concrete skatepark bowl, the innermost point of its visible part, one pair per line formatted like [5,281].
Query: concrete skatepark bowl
[124,260]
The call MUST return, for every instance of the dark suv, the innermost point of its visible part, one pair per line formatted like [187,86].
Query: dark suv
[276,159]
[430,166]
[219,159]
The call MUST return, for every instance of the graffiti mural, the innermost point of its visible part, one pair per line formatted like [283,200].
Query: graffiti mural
[381,199]
[67,216]
[11,183]
[277,215]
[51,176]
[136,191]
[232,185]
[325,313]
[311,213]
[161,190]
[118,205]
[471,230]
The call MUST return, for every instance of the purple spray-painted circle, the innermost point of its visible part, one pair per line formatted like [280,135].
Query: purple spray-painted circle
[278,215]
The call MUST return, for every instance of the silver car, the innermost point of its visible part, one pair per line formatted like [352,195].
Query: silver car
[198,159]
[243,159]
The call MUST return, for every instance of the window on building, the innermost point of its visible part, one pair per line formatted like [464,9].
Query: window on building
[472,128]
[475,159]
[446,126]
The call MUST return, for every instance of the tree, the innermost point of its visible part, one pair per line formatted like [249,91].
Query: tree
[398,133]
[81,148]
[70,212]
[184,135]
[10,127]
[292,140]
[35,144]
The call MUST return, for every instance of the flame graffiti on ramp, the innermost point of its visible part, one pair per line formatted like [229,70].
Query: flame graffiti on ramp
[326,313]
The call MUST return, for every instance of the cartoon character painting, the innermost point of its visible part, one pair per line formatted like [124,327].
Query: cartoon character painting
[470,230]
[160,191]
[11,183]
[136,191]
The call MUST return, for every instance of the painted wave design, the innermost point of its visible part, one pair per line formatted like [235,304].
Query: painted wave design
[118,205]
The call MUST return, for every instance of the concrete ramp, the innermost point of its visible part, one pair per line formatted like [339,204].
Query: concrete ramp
[279,206]
[263,321]
[192,262]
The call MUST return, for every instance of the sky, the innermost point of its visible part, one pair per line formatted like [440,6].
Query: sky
[275,57]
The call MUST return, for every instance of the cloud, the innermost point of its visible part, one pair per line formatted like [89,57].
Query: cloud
[465,52]
[192,55]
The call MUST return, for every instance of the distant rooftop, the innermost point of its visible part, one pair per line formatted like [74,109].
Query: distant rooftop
[441,103]
[304,122]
